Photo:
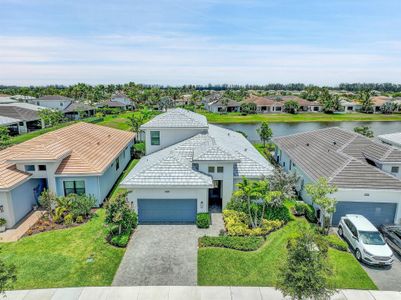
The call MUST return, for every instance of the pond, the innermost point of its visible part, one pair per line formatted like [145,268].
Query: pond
[281,129]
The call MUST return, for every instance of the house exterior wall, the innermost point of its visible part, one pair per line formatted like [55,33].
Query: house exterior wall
[226,177]
[91,185]
[6,209]
[201,194]
[23,199]
[387,168]
[55,104]
[169,136]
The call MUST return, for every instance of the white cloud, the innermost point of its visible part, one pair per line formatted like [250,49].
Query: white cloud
[181,59]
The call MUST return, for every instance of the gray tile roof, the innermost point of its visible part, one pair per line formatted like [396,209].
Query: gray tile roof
[340,156]
[76,106]
[230,102]
[19,113]
[54,98]
[172,166]
[177,118]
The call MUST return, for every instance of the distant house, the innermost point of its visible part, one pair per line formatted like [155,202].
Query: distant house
[20,117]
[82,158]
[220,105]
[212,97]
[350,106]
[7,99]
[71,108]
[270,104]
[118,100]
[367,173]
[378,102]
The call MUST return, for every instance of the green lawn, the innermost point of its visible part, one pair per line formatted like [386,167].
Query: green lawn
[59,258]
[117,121]
[130,166]
[218,266]
[301,117]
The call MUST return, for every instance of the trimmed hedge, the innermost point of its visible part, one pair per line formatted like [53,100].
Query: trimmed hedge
[120,240]
[203,220]
[336,242]
[281,213]
[248,243]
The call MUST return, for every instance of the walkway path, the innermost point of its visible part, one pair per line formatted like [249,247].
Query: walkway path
[14,234]
[163,254]
[181,293]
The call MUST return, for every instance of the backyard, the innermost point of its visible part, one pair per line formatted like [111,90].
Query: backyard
[220,266]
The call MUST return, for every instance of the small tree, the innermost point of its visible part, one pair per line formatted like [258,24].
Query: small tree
[119,213]
[319,192]
[51,117]
[291,106]
[284,182]
[4,137]
[136,121]
[48,201]
[265,133]
[365,98]
[364,130]
[7,276]
[305,273]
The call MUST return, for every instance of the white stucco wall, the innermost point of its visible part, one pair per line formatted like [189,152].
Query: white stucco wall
[169,136]
[201,194]
[387,168]
[7,209]
[55,104]
[226,177]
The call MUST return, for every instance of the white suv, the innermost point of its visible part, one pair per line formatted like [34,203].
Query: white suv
[366,240]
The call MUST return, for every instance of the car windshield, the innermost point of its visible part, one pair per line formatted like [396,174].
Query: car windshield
[371,238]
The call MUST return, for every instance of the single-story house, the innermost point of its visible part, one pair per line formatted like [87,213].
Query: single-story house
[350,106]
[21,117]
[223,105]
[367,173]
[267,104]
[190,167]
[72,109]
[213,96]
[81,158]
[392,139]
[378,102]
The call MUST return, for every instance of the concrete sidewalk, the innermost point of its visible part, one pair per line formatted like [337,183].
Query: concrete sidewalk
[181,293]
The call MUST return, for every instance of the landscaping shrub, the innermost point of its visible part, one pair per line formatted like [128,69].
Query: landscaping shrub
[310,213]
[120,240]
[249,243]
[203,220]
[68,219]
[336,242]
[299,208]
[281,213]
[236,223]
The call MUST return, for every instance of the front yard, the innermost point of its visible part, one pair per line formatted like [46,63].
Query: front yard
[78,256]
[220,266]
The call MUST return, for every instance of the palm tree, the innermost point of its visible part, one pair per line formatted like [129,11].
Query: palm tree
[366,101]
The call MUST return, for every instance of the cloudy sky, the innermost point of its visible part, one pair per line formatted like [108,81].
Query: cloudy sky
[199,41]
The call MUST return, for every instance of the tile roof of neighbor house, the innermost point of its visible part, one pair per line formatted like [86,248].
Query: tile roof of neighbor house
[341,157]
[17,112]
[393,138]
[380,100]
[8,121]
[54,98]
[279,100]
[230,102]
[177,118]
[26,106]
[84,149]
[165,167]
[76,106]
[7,100]
[112,104]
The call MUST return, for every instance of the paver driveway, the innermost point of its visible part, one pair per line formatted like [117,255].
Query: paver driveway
[163,254]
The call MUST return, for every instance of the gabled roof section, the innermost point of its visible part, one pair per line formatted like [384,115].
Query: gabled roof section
[20,113]
[76,106]
[340,156]
[214,153]
[83,148]
[177,118]
[55,98]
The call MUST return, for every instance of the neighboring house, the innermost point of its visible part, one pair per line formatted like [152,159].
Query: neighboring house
[392,139]
[7,100]
[20,117]
[367,173]
[350,106]
[81,158]
[212,97]
[23,98]
[268,104]
[118,100]
[190,167]
[223,105]
[72,109]
[378,101]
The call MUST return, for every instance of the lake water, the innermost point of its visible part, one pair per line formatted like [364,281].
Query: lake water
[281,129]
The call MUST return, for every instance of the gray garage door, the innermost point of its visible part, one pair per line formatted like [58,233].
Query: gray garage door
[377,213]
[167,210]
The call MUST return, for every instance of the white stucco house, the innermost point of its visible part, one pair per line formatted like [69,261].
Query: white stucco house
[189,167]
[367,173]
[392,139]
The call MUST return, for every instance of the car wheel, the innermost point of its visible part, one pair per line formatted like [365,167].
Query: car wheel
[340,231]
[358,255]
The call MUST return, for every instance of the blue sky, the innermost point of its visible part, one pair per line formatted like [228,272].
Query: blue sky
[199,42]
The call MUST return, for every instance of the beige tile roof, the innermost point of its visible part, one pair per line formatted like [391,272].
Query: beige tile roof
[85,149]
